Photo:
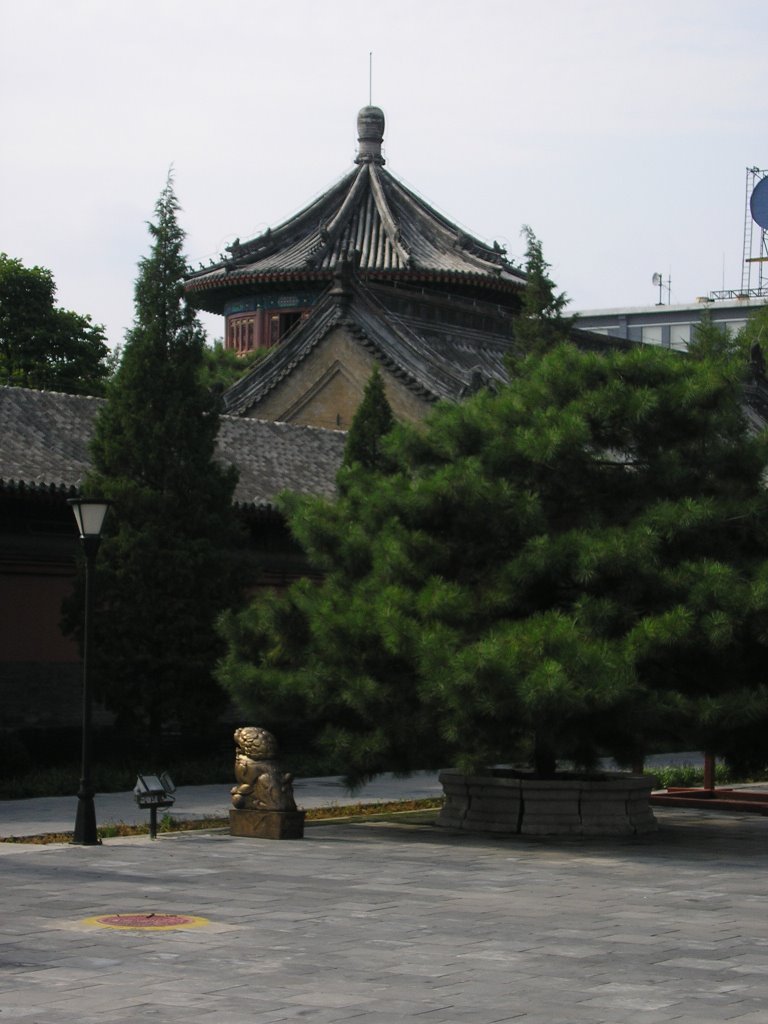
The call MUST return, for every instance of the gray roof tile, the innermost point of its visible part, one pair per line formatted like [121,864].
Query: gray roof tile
[370,211]
[44,439]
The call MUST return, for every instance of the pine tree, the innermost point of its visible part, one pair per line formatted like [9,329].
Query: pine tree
[571,567]
[371,423]
[713,343]
[752,344]
[166,567]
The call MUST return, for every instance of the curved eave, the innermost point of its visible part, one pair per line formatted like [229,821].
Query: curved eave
[40,488]
[207,293]
[490,281]
[213,287]
[259,509]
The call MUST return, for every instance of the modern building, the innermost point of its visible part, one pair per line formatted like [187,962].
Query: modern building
[674,326]
[671,326]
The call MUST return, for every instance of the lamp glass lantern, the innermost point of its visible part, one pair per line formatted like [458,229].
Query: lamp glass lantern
[90,514]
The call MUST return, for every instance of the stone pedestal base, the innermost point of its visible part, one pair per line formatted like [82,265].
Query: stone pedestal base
[612,803]
[267,824]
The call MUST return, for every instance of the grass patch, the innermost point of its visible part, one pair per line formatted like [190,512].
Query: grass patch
[692,776]
[349,813]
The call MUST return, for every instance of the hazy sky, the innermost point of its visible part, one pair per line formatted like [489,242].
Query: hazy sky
[619,131]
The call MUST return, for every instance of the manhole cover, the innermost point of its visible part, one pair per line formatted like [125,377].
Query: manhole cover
[152,921]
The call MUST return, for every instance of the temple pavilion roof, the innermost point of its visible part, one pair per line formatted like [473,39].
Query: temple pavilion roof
[392,232]
[432,360]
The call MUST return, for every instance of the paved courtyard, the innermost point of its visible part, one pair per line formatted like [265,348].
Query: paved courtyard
[380,923]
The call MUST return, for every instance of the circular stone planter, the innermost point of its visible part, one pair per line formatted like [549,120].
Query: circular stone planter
[518,802]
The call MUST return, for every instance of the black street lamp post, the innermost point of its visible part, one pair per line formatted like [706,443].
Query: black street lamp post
[89,514]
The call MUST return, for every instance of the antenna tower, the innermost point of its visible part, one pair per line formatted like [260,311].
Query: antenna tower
[658,281]
[754,260]
[755,256]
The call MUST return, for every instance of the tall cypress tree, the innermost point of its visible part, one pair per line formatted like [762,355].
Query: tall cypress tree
[371,423]
[165,570]
[542,322]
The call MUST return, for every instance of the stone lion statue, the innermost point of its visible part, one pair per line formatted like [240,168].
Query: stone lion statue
[261,783]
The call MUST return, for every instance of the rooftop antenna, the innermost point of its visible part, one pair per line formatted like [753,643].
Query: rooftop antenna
[370,78]
[757,181]
[755,242]
[658,281]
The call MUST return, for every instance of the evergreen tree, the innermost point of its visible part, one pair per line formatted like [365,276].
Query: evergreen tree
[222,367]
[714,343]
[752,343]
[574,566]
[166,567]
[371,423]
[41,344]
[541,323]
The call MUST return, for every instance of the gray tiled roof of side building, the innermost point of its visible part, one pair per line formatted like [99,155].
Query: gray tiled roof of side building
[45,436]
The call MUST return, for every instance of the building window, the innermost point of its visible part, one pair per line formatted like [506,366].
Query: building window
[274,329]
[734,326]
[262,330]
[651,335]
[679,336]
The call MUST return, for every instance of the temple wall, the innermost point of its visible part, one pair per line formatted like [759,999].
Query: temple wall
[31,612]
[326,388]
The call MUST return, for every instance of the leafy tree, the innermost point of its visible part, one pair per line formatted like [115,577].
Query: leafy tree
[572,566]
[166,568]
[42,345]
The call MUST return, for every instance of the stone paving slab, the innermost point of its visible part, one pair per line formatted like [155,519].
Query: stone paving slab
[379,924]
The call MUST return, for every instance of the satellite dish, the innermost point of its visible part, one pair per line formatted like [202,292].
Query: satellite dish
[656,279]
[758,203]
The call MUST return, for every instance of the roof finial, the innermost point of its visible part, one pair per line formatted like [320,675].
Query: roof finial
[370,135]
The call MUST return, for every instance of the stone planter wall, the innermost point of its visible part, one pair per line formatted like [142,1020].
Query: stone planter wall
[611,803]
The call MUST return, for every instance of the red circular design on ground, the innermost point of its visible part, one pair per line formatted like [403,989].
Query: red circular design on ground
[145,920]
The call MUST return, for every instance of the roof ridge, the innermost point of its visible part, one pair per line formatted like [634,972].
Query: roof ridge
[47,391]
[229,417]
[388,221]
[448,225]
[330,232]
